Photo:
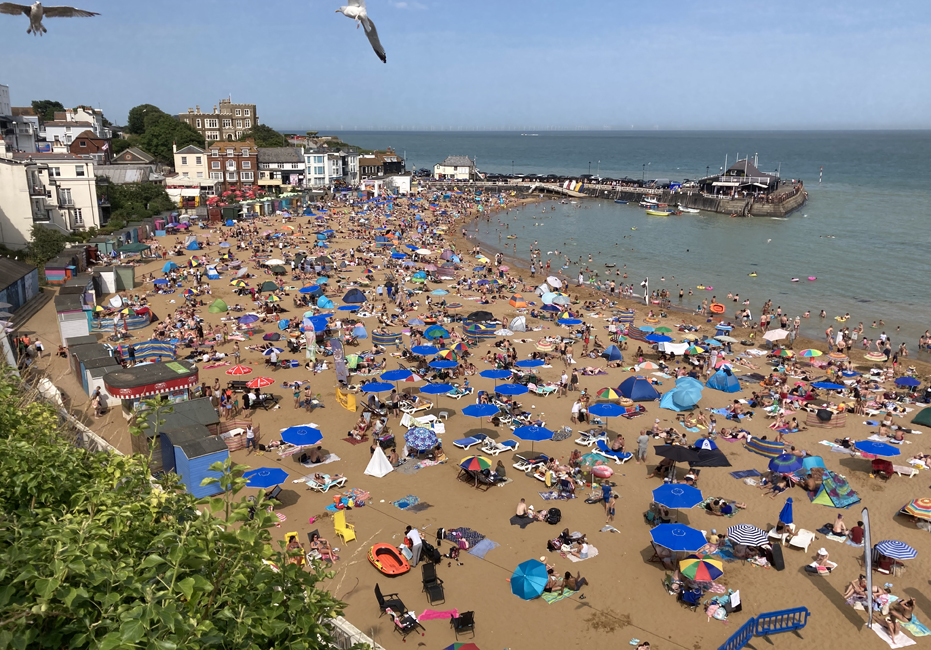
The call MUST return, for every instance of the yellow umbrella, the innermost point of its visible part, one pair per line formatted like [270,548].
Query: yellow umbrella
[98,308]
[273,298]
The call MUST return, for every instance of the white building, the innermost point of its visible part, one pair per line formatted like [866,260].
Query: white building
[5,108]
[191,162]
[57,190]
[69,123]
[326,166]
[458,168]
[281,166]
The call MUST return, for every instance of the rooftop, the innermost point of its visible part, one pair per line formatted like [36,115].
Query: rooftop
[12,270]
[280,155]
[191,149]
[25,157]
[458,161]
[66,123]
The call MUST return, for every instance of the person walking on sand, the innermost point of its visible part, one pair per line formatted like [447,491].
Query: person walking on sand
[643,442]
[610,509]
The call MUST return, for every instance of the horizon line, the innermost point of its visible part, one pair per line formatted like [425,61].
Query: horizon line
[538,131]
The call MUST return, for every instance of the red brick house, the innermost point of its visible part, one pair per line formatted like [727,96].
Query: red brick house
[87,143]
[236,164]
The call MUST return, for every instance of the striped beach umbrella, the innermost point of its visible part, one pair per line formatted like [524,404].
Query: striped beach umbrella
[896,550]
[544,345]
[747,535]
[810,353]
[447,354]
[695,350]
[608,393]
[475,463]
[785,464]
[786,354]
[701,568]
[920,508]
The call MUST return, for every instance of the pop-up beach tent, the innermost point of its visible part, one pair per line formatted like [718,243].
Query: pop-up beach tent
[354,296]
[218,307]
[638,389]
[324,303]
[612,353]
[518,324]
[835,491]
[193,246]
[923,418]
[379,465]
[724,380]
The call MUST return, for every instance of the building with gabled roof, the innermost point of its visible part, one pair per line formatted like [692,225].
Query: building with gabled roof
[459,168]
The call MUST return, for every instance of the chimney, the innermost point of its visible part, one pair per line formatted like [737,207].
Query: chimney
[198,108]
[190,110]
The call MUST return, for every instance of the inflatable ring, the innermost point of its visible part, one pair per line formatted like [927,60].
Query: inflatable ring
[717,308]
[794,280]
[709,288]
[840,319]
[651,320]
[812,278]
[700,287]
[752,275]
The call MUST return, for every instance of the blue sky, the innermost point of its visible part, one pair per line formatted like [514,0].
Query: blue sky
[481,64]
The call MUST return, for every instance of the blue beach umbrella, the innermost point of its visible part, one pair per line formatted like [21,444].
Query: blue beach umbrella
[439,292]
[480,410]
[907,381]
[265,477]
[421,438]
[647,328]
[606,410]
[678,538]
[785,515]
[435,332]
[529,579]
[424,350]
[530,363]
[495,374]
[349,308]
[658,338]
[398,256]
[301,436]
[569,321]
[376,387]
[436,389]
[396,375]
[416,321]
[247,319]
[553,308]
[677,496]
[704,443]
[785,464]
[877,448]
[443,363]
[270,351]
[160,281]
[511,389]
[533,433]
[896,550]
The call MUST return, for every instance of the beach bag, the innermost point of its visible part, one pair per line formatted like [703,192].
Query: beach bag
[453,553]
[440,535]
[463,544]
[553,516]
[554,544]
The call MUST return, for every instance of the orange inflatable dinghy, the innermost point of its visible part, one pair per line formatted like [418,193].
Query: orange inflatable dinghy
[388,559]
[717,308]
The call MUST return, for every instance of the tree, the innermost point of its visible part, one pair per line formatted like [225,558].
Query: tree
[136,122]
[133,201]
[265,136]
[122,144]
[312,134]
[46,244]
[46,108]
[95,554]
[165,130]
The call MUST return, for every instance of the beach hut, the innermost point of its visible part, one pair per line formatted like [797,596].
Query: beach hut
[125,277]
[724,380]
[218,307]
[72,321]
[638,389]
[19,283]
[95,370]
[189,452]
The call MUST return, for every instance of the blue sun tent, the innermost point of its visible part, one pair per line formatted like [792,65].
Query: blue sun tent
[668,401]
[193,246]
[724,380]
[324,303]
[354,296]
[359,331]
[612,354]
[638,389]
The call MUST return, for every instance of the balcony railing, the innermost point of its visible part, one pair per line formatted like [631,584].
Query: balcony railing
[36,189]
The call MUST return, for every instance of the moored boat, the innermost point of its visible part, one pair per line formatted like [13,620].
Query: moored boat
[659,213]
[689,210]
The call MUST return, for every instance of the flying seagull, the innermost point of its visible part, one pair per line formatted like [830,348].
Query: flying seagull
[356,11]
[37,12]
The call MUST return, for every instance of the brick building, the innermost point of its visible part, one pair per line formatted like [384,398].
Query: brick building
[87,143]
[236,164]
[226,123]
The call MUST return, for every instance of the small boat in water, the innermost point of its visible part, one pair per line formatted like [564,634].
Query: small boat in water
[621,201]
[689,210]
[610,265]
[659,213]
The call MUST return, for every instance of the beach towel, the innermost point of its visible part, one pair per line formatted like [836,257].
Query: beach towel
[689,429]
[704,503]
[420,507]
[523,522]
[609,529]
[726,553]
[555,597]
[406,502]
[353,441]
[745,473]
[481,549]
[330,458]
[553,495]
[469,535]
[900,641]
[915,627]
[433,614]
[592,552]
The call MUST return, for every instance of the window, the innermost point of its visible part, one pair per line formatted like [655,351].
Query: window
[247,164]
[238,112]
[238,124]
[238,134]
[319,171]
[82,144]
[231,176]
[79,171]
[231,165]
[78,217]
[247,112]
[318,159]
[215,164]
[216,176]
[247,176]
[227,124]
[198,124]
[213,135]
[64,196]
[198,160]
[248,124]
[230,152]
[184,175]
[183,160]
[212,124]
[54,171]
[215,153]
[200,174]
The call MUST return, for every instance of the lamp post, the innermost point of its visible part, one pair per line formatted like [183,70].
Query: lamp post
[598,171]
[589,167]
[643,172]
[707,170]
[512,168]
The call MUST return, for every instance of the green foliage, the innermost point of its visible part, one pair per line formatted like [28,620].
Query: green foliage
[164,130]
[95,554]
[135,123]
[137,201]
[265,136]
[312,134]
[122,144]
[46,244]
[46,108]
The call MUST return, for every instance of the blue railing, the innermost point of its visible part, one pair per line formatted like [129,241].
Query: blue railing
[786,620]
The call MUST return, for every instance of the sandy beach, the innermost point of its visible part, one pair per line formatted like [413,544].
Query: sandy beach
[625,598]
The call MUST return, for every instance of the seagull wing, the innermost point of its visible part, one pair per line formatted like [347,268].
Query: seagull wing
[13,9]
[357,3]
[372,34]
[67,12]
